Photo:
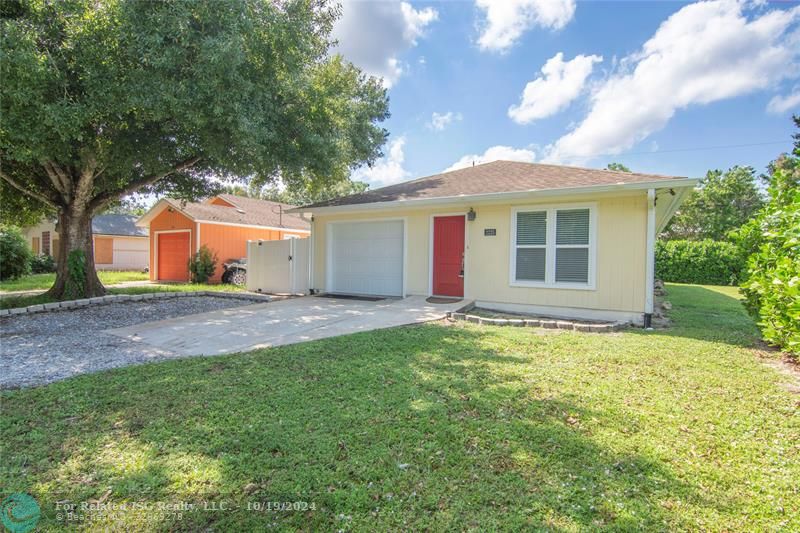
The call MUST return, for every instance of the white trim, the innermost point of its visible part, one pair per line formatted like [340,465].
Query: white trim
[197,225]
[501,197]
[550,246]
[329,248]
[272,228]
[650,261]
[311,255]
[563,312]
[155,248]
[430,248]
[675,203]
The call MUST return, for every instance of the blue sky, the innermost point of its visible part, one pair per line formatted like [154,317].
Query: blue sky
[634,82]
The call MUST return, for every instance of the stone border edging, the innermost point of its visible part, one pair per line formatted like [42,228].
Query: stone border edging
[548,323]
[111,298]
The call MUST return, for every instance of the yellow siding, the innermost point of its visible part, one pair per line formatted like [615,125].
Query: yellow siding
[621,251]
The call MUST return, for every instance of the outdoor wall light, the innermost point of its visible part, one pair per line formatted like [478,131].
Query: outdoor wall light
[471,214]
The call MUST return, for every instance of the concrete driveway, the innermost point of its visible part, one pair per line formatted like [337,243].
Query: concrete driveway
[282,322]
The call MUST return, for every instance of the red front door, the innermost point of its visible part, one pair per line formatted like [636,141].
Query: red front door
[448,256]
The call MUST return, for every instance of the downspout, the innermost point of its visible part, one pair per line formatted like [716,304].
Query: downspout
[650,268]
[310,253]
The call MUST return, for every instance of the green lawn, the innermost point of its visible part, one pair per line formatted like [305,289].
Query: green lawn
[45,281]
[459,427]
[8,302]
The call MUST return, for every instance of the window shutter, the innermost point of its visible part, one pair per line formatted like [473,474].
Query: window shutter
[572,265]
[572,226]
[532,228]
[531,264]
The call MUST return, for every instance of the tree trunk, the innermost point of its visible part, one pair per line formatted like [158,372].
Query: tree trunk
[75,273]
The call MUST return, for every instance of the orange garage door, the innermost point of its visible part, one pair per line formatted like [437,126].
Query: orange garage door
[173,256]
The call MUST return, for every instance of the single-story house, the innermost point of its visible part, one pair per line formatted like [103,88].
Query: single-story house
[511,236]
[223,223]
[119,244]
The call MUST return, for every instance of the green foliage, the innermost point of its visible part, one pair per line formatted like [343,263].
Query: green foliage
[19,210]
[704,262]
[772,284]
[305,196]
[43,264]
[103,98]
[202,265]
[724,202]
[618,167]
[15,254]
[75,285]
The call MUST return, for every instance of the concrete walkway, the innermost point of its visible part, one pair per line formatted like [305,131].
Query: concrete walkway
[283,322]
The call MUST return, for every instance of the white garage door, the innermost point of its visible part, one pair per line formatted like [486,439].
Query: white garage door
[366,258]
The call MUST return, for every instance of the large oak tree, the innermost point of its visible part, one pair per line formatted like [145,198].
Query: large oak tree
[103,98]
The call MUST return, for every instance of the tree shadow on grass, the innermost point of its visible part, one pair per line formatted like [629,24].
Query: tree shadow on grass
[410,428]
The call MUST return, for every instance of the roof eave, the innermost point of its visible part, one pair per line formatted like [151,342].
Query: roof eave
[145,220]
[502,196]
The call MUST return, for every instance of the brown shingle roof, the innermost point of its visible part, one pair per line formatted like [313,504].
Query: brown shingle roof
[248,211]
[494,177]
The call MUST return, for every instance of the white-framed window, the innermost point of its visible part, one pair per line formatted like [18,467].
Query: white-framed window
[553,246]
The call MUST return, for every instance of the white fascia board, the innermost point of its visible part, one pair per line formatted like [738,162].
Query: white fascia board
[144,220]
[500,197]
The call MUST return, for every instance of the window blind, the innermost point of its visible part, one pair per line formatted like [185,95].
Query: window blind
[572,226]
[531,264]
[572,265]
[532,228]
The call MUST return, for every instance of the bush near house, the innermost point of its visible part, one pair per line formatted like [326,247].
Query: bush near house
[772,281]
[202,264]
[15,254]
[705,262]
[43,264]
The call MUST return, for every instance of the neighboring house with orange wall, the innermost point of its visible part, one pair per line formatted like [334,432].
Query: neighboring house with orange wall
[223,223]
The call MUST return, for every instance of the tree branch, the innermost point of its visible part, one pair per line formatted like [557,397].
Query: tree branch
[28,192]
[58,179]
[104,198]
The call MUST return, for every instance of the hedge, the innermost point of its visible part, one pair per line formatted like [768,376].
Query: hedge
[771,284]
[704,262]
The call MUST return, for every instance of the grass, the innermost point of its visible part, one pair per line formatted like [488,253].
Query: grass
[9,302]
[432,427]
[45,281]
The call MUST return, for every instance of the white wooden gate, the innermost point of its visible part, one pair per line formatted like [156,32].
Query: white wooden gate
[278,267]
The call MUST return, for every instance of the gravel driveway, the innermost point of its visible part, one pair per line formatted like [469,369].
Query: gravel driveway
[45,347]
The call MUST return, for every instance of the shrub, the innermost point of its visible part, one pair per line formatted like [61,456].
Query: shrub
[772,283]
[15,254]
[43,264]
[704,262]
[202,265]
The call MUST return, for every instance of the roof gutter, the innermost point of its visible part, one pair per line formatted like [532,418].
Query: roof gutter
[501,196]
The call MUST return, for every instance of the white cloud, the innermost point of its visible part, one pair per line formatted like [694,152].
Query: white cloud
[506,20]
[373,34]
[781,104]
[494,153]
[562,82]
[386,171]
[440,121]
[705,52]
